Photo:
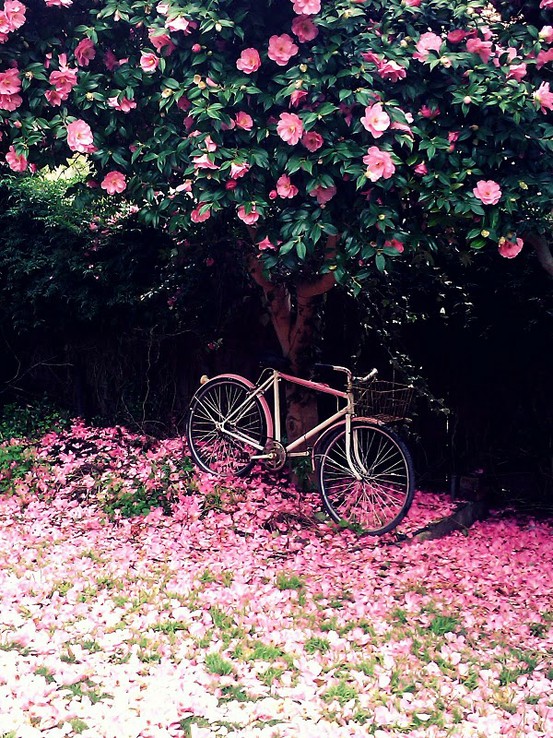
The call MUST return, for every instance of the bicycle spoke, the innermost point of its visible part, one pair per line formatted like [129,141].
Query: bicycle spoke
[371,488]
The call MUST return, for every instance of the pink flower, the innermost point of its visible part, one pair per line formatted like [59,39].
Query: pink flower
[544,97]
[58,3]
[482,48]
[85,51]
[124,104]
[456,36]
[428,112]
[10,102]
[376,120]
[412,3]
[323,194]
[265,244]
[244,121]
[149,62]
[161,42]
[379,164]
[248,218]
[307,7]
[391,71]
[517,71]
[285,188]
[64,79]
[15,14]
[204,162]
[546,34]
[79,137]
[544,57]
[179,24]
[10,82]
[16,162]
[421,169]
[296,97]
[488,191]
[312,140]
[238,170]
[282,49]
[395,244]
[427,42]
[510,249]
[547,4]
[304,28]
[53,97]
[290,128]
[197,217]
[249,61]
[114,182]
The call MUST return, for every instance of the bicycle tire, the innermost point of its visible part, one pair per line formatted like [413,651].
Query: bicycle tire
[214,451]
[378,501]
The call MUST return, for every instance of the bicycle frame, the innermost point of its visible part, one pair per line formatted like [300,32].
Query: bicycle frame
[274,381]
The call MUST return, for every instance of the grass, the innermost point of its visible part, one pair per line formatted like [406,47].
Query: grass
[216,664]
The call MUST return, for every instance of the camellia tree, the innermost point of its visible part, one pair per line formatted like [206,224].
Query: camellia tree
[340,135]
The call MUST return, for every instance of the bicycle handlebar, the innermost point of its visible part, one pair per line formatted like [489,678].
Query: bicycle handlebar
[368,376]
[348,372]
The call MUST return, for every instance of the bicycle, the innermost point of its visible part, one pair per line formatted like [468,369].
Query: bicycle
[363,468]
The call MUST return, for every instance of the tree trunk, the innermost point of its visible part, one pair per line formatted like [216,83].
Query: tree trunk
[294,317]
[542,249]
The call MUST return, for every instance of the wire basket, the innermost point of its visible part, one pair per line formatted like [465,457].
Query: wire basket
[384,400]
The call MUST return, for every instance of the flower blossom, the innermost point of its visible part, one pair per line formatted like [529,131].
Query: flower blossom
[149,62]
[482,48]
[544,56]
[16,162]
[307,7]
[58,3]
[197,217]
[238,170]
[161,42]
[290,128]
[395,245]
[204,162]
[85,51]
[421,169]
[391,71]
[546,34]
[544,97]
[323,194]
[79,137]
[10,85]
[379,164]
[244,121]
[265,244]
[63,80]
[427,42]
[285,188]
[296,97]
[376,120]
[114,182]
[248,218]
[249,61]
[546,4]
[282,49]
[124,104]
[304,28]
[488,191]
[510,249]
[14,15]
[312,140]
[180,24]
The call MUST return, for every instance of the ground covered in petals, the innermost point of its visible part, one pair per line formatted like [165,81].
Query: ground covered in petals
[140,599]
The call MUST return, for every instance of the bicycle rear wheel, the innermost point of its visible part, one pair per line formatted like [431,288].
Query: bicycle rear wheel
[229,449]
[375,492]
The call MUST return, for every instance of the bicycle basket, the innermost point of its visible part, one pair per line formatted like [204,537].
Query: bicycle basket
[382,399]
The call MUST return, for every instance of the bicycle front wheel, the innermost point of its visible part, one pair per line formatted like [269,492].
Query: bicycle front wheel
[226,426]
[372,489]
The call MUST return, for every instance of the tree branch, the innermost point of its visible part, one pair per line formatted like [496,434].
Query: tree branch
[325,282]
[543,251]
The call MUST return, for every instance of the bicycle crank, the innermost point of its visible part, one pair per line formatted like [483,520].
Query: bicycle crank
[277,455]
